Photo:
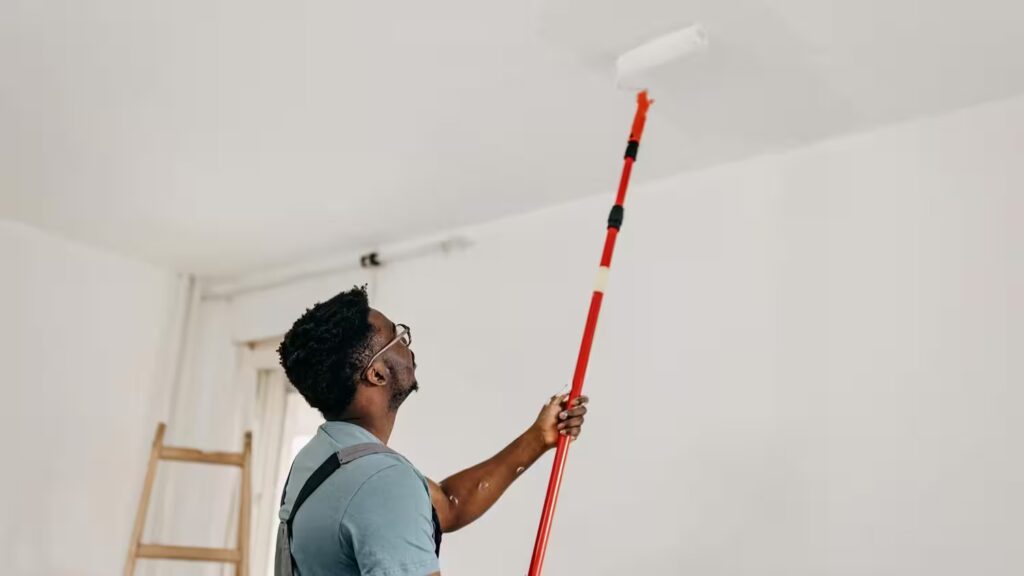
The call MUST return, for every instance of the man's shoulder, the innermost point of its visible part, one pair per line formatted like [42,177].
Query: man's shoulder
[389,487]
[383,471]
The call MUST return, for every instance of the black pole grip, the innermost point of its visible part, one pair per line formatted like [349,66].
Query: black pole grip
[616,216]
[631,149]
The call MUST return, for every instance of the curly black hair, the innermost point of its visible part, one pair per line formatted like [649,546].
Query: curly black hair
[326,348]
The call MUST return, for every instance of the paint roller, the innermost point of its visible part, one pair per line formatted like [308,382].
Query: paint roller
[632,70]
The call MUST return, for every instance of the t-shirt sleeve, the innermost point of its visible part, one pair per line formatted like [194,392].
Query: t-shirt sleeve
[388,525]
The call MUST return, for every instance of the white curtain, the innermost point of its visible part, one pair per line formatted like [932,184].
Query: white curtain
[268,424]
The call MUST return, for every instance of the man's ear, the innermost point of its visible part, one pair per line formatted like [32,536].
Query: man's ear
[376,375]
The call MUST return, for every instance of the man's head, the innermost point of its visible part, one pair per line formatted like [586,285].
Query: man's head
[327,355]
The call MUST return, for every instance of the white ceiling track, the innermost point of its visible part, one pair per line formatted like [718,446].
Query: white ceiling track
[312,269]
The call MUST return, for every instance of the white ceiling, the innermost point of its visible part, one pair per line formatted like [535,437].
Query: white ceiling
[219,136]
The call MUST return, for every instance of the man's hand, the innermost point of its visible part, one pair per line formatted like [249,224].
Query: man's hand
[465,496]
[556,419]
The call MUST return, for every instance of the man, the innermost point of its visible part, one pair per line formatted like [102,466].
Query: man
[375,514]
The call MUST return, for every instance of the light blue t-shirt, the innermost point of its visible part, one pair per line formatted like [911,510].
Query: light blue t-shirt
[372,517]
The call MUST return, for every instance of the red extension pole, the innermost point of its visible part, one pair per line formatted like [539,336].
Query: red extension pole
[614,223]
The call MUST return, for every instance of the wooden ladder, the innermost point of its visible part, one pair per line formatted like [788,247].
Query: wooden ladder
[239,556]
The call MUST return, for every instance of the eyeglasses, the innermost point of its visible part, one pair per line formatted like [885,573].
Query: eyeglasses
[404,335]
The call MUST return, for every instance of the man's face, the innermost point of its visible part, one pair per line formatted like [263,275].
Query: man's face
[399,359]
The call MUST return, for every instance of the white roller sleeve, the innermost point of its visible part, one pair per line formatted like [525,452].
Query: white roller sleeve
[631,66]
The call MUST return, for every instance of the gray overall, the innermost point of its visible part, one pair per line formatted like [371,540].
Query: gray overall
[284,564]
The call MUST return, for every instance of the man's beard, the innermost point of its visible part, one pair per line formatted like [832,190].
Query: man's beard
[398,395]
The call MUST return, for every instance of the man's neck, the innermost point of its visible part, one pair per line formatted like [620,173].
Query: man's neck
[379,426]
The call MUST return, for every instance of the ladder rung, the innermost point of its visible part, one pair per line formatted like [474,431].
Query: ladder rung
[193,455]
[158,551]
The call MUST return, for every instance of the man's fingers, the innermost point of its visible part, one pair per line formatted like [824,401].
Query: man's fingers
[578,411]
[572,433]
[571,423]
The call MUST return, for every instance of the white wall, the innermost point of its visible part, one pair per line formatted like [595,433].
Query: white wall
[84,348]
[808,363]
